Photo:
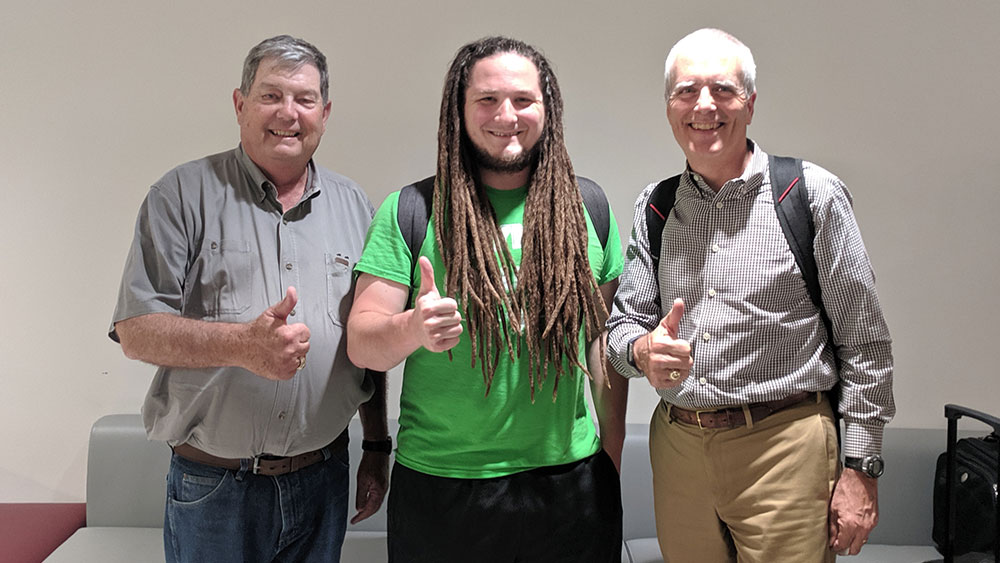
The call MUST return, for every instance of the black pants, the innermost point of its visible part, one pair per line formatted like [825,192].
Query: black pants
[566,513]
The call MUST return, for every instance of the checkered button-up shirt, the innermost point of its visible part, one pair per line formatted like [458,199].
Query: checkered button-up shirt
[755,333]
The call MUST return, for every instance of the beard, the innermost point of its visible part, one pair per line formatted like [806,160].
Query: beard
[504,165]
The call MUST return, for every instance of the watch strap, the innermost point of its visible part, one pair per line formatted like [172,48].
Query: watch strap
[382,446]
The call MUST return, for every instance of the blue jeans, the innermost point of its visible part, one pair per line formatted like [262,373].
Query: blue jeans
[222,516]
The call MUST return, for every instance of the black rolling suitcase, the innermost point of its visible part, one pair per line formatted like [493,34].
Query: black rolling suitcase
[966,511]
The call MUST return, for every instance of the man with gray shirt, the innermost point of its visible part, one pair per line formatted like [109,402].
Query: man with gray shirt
[743,443]
[242,261]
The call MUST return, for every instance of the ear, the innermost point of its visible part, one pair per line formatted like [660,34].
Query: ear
[238,103]
[750,104]
[326,113]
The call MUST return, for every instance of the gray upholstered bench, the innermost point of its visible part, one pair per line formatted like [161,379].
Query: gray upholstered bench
[126,488]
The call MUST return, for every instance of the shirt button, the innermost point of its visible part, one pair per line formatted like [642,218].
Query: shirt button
[282,415]
[718,205]
[292,313]
[715,248]
[284,221]
[702,380]
[711,293]
[288,266]
[215,245]
[707,336]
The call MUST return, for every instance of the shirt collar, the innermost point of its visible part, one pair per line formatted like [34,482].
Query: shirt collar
[262,187]
[749,182]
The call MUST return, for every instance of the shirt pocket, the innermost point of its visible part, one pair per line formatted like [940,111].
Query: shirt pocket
[220,282]
[339,287]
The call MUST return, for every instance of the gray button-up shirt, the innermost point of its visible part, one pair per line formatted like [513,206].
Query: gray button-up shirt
[755,334]
[211,243]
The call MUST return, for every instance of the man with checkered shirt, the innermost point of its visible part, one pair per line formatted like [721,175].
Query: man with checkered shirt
[743,444]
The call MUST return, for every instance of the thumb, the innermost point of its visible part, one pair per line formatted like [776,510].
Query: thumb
[672,320]
[283,308]
[427,286]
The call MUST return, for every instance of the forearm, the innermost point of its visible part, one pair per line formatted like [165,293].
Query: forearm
[373,411]
[610,401]
[380,341]
[166,339]
[609,388]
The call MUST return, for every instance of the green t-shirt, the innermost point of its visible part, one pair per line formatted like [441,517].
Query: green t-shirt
[448,426]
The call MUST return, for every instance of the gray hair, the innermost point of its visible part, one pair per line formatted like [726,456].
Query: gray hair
[709,35]
[290,53]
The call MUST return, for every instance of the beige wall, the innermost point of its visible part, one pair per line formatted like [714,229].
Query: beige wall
[97,100]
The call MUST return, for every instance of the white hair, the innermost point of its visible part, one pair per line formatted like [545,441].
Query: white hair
[710,35]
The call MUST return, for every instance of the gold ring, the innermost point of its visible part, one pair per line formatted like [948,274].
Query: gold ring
[302,363]
[674,375]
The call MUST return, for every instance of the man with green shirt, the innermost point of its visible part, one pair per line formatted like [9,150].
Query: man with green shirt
[498,459]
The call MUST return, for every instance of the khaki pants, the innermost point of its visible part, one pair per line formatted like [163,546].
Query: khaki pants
[757,494]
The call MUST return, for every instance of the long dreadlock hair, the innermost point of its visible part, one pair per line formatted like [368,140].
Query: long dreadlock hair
[556,293]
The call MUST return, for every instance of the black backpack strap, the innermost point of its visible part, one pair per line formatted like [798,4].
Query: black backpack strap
[791,204]
[413,213]
[597,207]
[658,206]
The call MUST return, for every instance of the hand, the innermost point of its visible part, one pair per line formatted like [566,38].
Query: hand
[274,345]
[661,354]
[853,511]
[373,481]
[435,319]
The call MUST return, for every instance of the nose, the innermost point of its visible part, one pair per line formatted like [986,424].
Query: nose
[705,100]
[506,113]
[286,110]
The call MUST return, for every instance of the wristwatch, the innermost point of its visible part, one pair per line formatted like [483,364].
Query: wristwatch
[872,465]
[629,355]
[383,446]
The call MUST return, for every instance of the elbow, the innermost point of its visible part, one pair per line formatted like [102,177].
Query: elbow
[130,350]
[356,351]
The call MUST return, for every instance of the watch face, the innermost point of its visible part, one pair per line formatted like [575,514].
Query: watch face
[875,466]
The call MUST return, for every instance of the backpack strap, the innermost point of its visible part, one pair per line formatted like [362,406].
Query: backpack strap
[791,204]
[596,203]
[413,213]
[658,206]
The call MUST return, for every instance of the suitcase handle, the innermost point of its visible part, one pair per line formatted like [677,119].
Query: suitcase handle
[953,413]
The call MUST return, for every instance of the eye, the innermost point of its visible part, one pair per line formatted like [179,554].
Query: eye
[724,90]
[684,92]
[269,96]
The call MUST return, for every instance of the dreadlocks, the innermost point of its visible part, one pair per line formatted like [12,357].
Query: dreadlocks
[556,294]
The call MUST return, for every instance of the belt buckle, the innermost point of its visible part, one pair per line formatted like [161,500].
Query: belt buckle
[697,417]
[256,465]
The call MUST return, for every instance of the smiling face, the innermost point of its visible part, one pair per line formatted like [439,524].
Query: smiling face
[707,106]
[282,117]
[504,112]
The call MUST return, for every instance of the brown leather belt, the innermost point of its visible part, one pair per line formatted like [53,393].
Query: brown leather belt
[737,416]
[264,464]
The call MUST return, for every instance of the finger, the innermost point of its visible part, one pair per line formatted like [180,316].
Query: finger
[672,320]
[361,504]
[367,503]
[283,308]
[858,543]
[833,528]
[427,286]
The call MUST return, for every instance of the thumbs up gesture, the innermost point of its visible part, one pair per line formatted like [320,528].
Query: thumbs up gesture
[435,319]
[664,358]
[277,349]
